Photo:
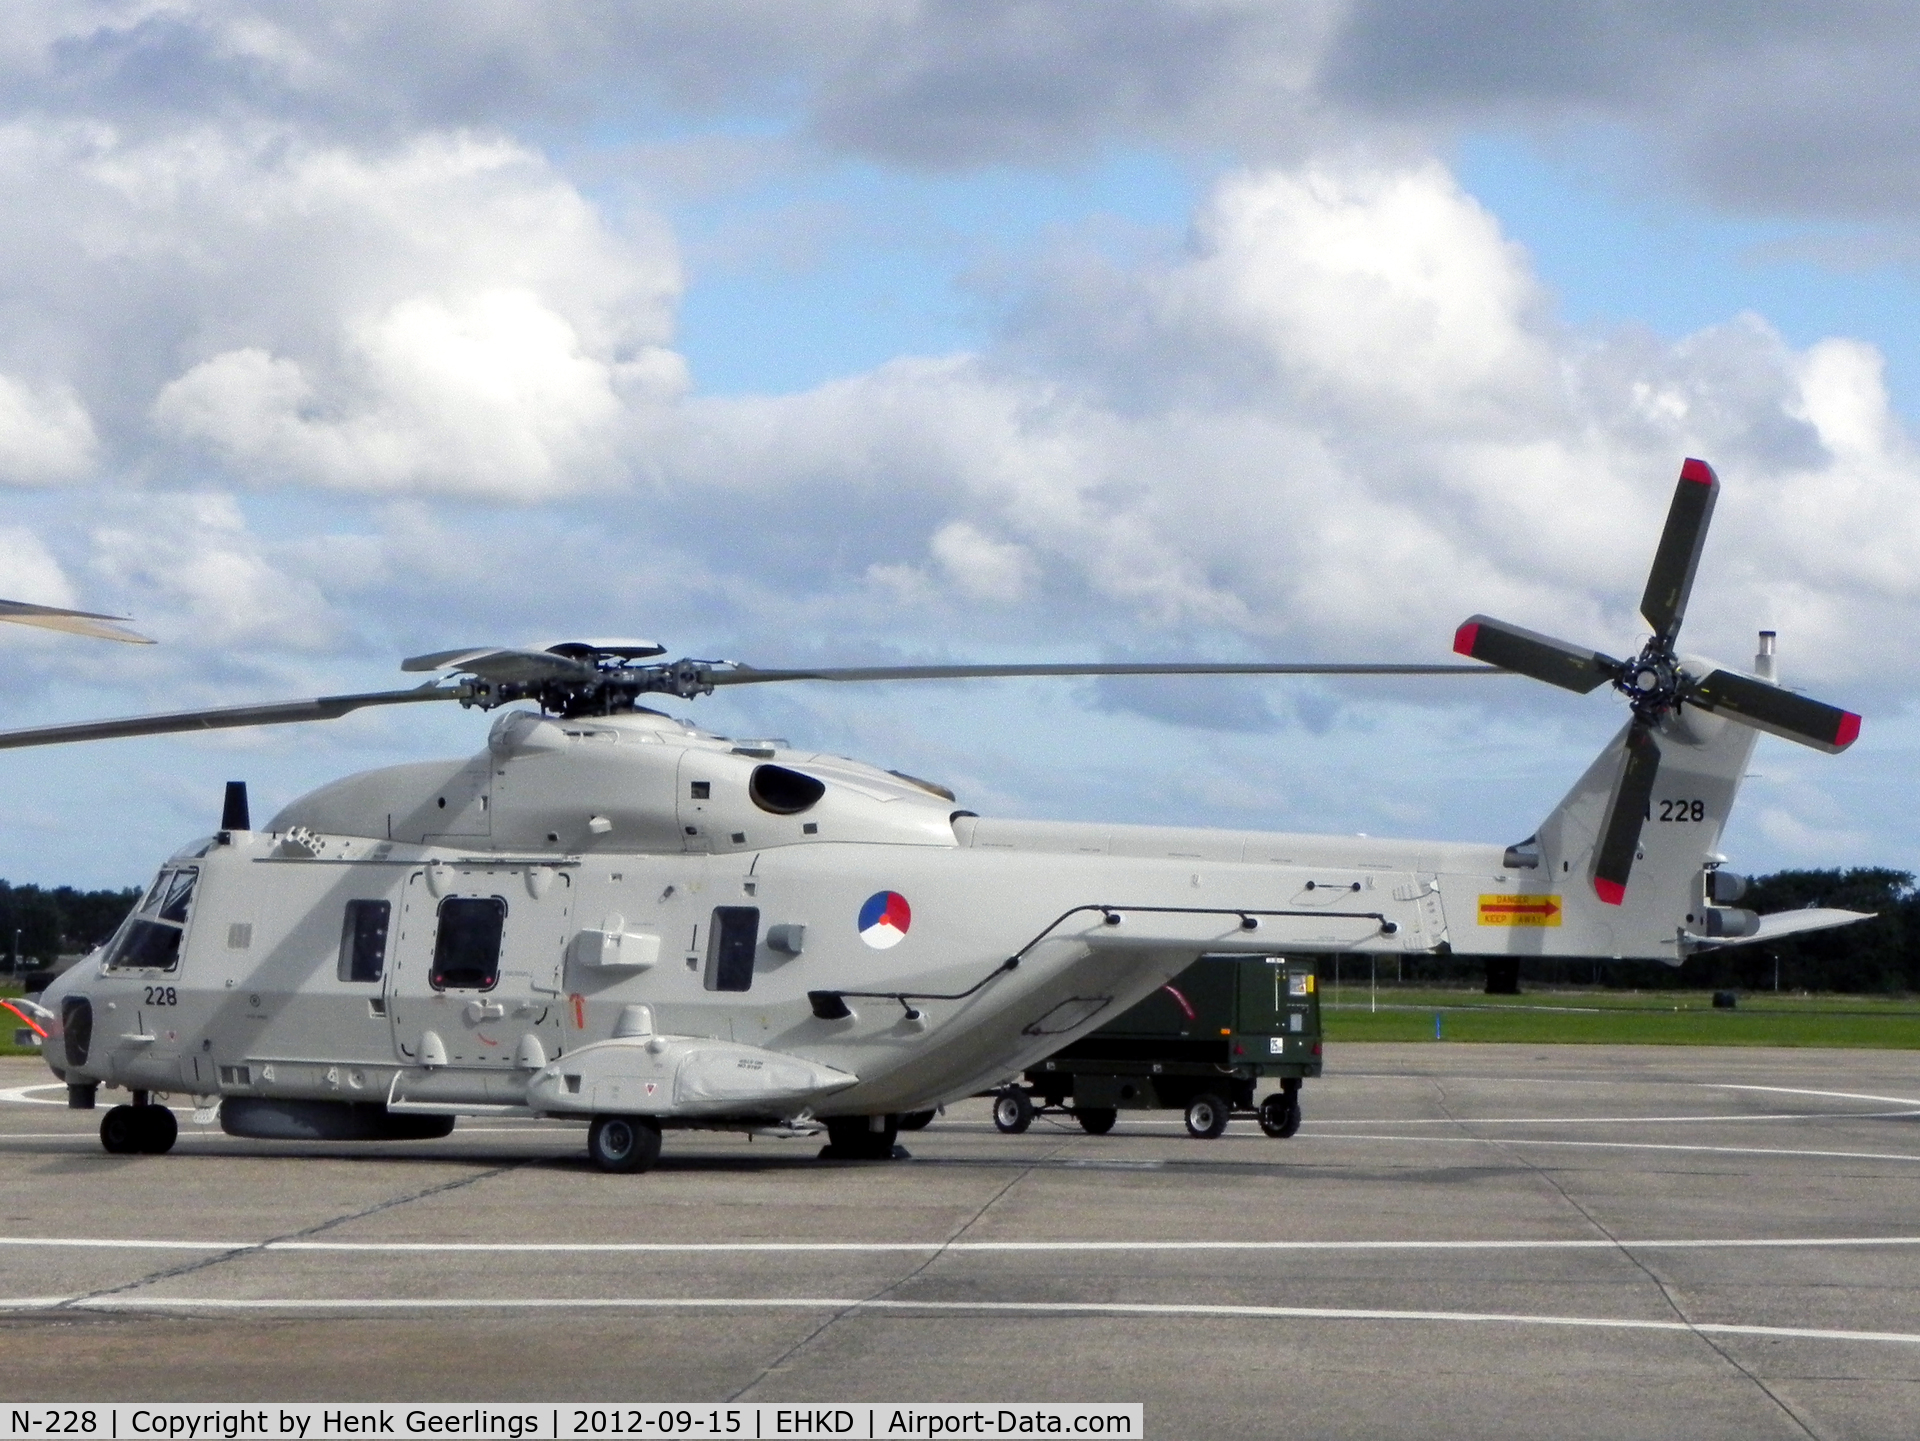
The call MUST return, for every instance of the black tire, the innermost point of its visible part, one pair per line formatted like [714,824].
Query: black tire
[120,1131]
[1096,1120]
[1012,1111]
[1280,1115]
[623,1144]
[1207,1116]
[157,1130]
[916,1120]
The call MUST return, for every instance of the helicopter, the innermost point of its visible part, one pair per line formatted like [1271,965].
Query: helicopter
[611,916]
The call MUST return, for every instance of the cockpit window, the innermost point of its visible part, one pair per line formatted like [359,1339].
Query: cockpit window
[179,895]
[150,940]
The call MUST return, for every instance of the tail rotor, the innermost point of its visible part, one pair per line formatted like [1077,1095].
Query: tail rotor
[1656,685]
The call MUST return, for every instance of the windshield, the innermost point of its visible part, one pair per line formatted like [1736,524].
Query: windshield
[150,940]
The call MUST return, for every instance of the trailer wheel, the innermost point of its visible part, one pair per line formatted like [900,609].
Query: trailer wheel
[1207,1116]
[1012,1111]
[1096,1120]
[623,1143]
[1280,1115]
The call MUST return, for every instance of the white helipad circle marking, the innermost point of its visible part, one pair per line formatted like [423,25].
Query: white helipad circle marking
[23,1095]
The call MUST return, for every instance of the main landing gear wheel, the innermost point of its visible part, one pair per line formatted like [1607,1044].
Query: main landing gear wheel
[158,1129]
[1207,1116]
[1096,1120]
[1280,1115]
[916,1120]
[623,1143]
[1012,1111]
[120,1131]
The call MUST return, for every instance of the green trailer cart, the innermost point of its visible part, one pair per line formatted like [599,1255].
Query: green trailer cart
[1201,1044]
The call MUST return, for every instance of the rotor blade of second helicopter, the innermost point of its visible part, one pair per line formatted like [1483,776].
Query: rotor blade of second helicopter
[330,707]
[749,675]
[75,622]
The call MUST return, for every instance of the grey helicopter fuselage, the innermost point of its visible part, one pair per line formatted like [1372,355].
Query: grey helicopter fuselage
[628,915]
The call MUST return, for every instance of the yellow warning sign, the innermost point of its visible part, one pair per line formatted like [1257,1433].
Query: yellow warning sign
[1520,910]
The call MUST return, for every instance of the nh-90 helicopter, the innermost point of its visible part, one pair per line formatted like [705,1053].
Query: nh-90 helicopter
[611,916]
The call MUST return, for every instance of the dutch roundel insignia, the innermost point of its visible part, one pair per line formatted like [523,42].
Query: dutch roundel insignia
[884,919]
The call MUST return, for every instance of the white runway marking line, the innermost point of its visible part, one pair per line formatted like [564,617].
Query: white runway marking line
[854,1303]
[1317,1123]
[1833,1095]
[1583,1243]
[1624,1146]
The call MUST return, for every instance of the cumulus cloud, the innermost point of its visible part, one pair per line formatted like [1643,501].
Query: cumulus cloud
[1770,106]
[1776,107]
[207,581]
[446,313]
[46,437]
[1343,420]
[29,572]
[493,397]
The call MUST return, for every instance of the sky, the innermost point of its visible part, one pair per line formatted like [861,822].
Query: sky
[896,330]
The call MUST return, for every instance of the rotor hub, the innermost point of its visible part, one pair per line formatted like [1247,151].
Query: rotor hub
[1651,682]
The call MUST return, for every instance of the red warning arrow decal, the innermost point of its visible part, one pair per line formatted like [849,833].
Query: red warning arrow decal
[1520,910]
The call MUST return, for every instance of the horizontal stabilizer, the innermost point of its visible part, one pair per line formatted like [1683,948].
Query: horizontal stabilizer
[1789,923]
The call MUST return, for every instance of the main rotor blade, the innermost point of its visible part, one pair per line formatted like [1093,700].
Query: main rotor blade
[1626,812]
[1779,712]
[329,707]
[1515,648]
[750,675]
[1671,580]
[77,622]
[503,664]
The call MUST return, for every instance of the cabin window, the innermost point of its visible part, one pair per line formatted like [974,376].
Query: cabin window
[466,948]
[363,940]
[150,939]
[731,941]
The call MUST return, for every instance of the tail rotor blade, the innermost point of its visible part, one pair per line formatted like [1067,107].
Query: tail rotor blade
[1774,710]
[1671,580]
[1632,793]
[1529,653]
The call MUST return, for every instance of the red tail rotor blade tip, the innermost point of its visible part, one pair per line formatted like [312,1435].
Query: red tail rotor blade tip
[1848,730]
[1612,892]
[1464,638]
[1697,471]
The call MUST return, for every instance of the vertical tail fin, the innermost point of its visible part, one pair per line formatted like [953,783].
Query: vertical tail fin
[1703,759]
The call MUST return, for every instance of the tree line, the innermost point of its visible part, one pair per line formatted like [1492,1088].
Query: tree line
[38,924]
